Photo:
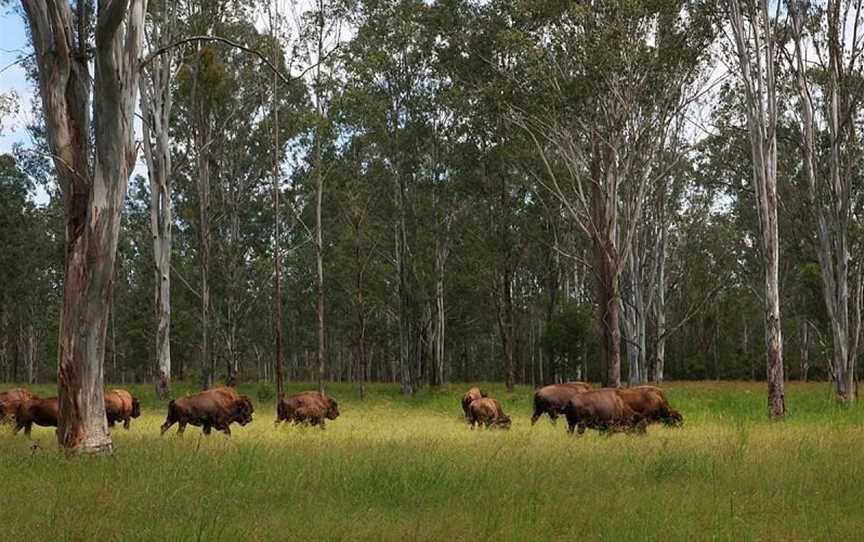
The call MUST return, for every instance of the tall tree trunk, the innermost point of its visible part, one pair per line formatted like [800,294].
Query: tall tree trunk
[156,104]
[755,42]
[204,265]
[202,157]
[804,336]
[93,202]
[660,312]
[405,370]
[319,262]
[607,266]
[831,195]
[277,218]
[319,196]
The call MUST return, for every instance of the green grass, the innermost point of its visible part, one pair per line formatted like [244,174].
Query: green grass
[394,468]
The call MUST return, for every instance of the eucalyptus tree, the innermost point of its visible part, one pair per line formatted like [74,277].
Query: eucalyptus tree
[93,182]
[389,77]
[825,63]
[613,77]
[156,98]
[753,32]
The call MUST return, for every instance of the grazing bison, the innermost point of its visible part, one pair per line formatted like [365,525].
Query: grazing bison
[120,405]
[308,407]
[650,403]
[42,412]
[216,408]
[487,412]
[552,399]
[602,409]
[9,401]
[471,395]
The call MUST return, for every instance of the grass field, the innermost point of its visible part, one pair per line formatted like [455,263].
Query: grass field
[394,468]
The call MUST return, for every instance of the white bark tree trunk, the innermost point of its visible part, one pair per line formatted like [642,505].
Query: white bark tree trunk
[755,46]
[93,202]
[156,104]
[831,196]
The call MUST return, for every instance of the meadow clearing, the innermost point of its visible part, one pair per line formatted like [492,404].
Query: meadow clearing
[397,468]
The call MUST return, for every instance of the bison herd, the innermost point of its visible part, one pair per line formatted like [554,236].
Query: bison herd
[584,407]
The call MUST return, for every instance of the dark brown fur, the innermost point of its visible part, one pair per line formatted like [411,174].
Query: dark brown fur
[10,400]
[120,405]
[217,408]
[487,412]
[471,395]
[552,399]
[308,407]
[650,403]
[42,412]
[602,409]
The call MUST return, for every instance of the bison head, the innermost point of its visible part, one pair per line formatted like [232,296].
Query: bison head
[244,410]
[503,422]
[136,408]
[332,410]
[674,419]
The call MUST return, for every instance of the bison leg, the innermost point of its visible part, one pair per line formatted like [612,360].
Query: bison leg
[111,423]
[126,424]
[206,429]
[553,417]
[226,429]
[181,428]
[28,428]
[18,427]
[166,426]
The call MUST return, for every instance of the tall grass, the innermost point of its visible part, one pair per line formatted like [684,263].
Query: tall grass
[395,468]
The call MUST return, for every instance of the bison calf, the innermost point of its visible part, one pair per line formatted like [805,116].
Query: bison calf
[308,407]
[120,405]
[487,412]
[217,408]
[11,400]
[42,412]
[552,399]
[602,409]
[471,395]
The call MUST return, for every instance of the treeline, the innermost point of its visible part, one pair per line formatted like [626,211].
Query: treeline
[517,191]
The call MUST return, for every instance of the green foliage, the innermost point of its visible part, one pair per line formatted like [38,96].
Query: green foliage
[572,335]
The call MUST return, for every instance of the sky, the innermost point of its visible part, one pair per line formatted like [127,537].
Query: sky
[13,44]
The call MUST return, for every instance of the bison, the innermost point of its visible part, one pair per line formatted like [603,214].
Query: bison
[10,400]
[43,412]
[650,403]
[602,409]
[120,405]
[215,408]
[487,412]
[471,395]
[552,399]
[308,407]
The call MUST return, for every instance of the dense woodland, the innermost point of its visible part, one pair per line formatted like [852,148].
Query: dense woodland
[464,190]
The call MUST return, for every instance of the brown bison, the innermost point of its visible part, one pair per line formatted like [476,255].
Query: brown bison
[43,412]
[471,395]
[216,408]
[9,401]
[487,412]
[308,407]
[120,405]
[553,398]
[602,409]
[650,403]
